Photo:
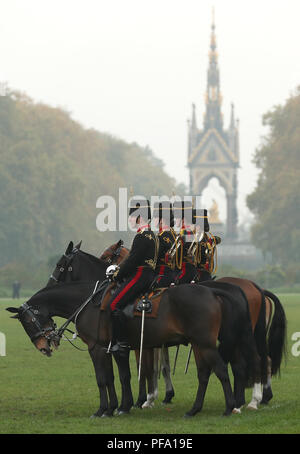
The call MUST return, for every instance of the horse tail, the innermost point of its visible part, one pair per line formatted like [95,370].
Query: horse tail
[277,334]
[248,346]
[260,335]
[246,341]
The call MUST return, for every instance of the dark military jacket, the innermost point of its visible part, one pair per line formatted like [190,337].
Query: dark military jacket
[166,240]
[143,252]
[187,236]
[204,256]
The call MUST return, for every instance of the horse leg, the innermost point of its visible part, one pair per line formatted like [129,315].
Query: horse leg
[256,396]
[166,371]
[122,361]
[147,375]
[105,380]
[221,371]
[142,397]
[156,370]
[261,394]
[203,371]
[267,392]
[149,366]
[237,367]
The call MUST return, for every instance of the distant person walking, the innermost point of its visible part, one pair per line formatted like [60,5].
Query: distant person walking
[16,289]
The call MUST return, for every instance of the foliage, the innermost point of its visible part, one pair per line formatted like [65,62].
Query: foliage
[276,199]
[268,277]
[53,171]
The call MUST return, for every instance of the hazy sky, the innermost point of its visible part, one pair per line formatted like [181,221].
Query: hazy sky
[134,67]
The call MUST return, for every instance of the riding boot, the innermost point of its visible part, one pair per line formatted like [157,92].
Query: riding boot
[119,332]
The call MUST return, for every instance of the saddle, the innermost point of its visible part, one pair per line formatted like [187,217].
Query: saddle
[151,301]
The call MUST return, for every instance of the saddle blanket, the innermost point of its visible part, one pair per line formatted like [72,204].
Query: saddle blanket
[133,310]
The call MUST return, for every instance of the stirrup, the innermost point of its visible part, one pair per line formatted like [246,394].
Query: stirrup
[121,347]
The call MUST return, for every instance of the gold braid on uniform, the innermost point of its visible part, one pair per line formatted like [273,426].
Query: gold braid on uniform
[213,261]
[198,254]
[178,261]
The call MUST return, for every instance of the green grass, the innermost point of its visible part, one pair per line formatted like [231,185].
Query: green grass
[57,395]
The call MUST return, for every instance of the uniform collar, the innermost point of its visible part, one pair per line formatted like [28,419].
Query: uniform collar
[143,227]
[163,229]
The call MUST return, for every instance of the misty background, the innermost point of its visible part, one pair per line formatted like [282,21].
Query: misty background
[132,69]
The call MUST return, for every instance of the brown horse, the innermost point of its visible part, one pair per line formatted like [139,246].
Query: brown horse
[261,314]
[187,314]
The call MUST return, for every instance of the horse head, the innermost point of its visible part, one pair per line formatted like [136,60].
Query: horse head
[115,253]
[63,269]
[38,325]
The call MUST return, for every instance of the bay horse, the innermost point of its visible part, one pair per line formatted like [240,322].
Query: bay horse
[269,328]
[187,314]
[78,265]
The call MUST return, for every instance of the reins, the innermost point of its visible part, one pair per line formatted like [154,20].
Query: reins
[63,328]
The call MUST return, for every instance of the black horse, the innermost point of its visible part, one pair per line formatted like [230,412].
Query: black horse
[77,265]
[187,314]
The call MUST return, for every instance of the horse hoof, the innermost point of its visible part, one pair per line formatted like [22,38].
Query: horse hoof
[107,414]
[267,396]
[227,413]
[236,411]
[139,405]
[168,397]
[190,414]
[98,414]
[252,407]
[148,405]
[122,412]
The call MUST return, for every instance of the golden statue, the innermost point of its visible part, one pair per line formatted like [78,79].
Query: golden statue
[214,214]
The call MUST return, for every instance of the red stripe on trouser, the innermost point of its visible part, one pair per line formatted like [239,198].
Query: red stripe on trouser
[126,288]
[183,271]
[161,272]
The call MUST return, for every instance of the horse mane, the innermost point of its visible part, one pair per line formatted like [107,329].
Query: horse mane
[97,260]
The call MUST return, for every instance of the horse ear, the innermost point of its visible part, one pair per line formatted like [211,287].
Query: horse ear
[78,245]
[14,310]
[69,248]
[120,243]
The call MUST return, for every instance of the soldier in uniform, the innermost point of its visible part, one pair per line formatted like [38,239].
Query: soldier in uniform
[136,273]
[164,220]
[206,250]
[183,215]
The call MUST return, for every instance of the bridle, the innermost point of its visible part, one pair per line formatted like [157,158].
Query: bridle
[48,333]
[114,256]
[51,334]
[67,266]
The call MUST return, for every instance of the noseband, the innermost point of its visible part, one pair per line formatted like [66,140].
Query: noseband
[48,333]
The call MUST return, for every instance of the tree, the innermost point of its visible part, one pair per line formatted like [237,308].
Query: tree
[51,174]
[276,198]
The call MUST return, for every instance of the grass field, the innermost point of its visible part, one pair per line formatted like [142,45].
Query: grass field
[57,395]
